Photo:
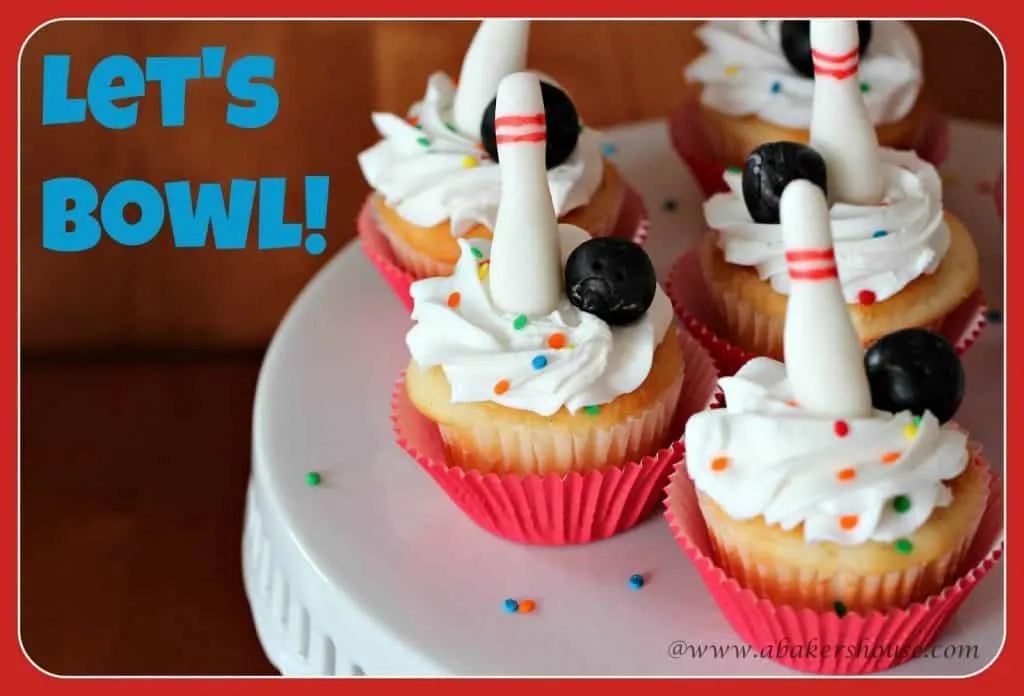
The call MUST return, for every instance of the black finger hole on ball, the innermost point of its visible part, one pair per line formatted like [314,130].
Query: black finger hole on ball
[562,124]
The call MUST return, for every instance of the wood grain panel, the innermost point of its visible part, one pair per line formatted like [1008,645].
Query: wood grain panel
[329,77]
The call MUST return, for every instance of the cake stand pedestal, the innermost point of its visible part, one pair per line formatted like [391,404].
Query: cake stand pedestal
[374,571]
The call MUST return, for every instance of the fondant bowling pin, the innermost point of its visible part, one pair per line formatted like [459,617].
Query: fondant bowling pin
[526,274]
[841,129]
[497,50]
[824,355]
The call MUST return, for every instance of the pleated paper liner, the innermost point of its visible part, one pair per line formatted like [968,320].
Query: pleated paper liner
[692,145]
[695,308]
[558,509]
[856,644]
[632,224]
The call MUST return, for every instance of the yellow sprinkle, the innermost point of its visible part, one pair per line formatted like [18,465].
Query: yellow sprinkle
[468,162]
[910,431]
[731,70]
[482,270]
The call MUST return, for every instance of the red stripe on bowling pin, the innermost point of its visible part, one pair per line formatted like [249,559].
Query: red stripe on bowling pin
[839,66]
[811,264]
[525,128]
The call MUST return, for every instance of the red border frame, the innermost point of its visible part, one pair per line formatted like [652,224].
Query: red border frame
[21,23]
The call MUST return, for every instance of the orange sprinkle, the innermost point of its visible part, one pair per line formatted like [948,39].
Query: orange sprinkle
[890,457]
[793,403]
[413,121]
[454,299]
[557,340]
[526,606]
[501,387]
[846,475]
[848,522]
[719,463]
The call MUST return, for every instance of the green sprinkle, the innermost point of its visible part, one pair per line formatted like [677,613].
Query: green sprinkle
[865,87]
[519,322]
[592,410]
[581,129]
[733,169]
[418,126]
[904,546]
[313,479]
[839,608]
[423,141]
[450,127]
[917,421]
[476,252]
[901,504]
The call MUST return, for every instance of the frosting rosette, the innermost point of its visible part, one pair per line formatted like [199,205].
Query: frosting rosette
[848,482]
[568,358]
[878,248]
[430,172]
[744,72]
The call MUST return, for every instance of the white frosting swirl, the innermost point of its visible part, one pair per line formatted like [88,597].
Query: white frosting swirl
[433,173]
[478,346]
[879,482]
[879,248]
[745,73]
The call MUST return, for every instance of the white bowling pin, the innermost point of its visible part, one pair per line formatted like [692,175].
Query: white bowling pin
[497,50]
[824,355]
[526,267]
[841,129]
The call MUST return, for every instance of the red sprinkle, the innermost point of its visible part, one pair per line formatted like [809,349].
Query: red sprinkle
[842,428]
[866,297]
[454,299]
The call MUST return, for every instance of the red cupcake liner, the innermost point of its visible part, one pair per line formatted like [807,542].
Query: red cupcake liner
[686,132]
[689,293]
[633,223]
[558,509]
[856,644]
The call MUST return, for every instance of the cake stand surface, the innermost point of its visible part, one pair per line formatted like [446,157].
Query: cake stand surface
[375,572]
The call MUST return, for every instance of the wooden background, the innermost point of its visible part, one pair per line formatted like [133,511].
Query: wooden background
[135,461]
[329,77]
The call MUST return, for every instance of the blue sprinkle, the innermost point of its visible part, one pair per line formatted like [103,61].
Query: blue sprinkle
[879,233]
[539,362]
[511,606]
[636,582]
[607,149]
[669,205]
[776,87]
[994,316]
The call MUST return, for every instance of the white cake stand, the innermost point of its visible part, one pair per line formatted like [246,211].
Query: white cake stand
[375,572]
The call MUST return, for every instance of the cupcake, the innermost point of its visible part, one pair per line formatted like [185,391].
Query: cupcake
[903,261]
[434,174]
[834,484]
[547,363]
[757,84]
